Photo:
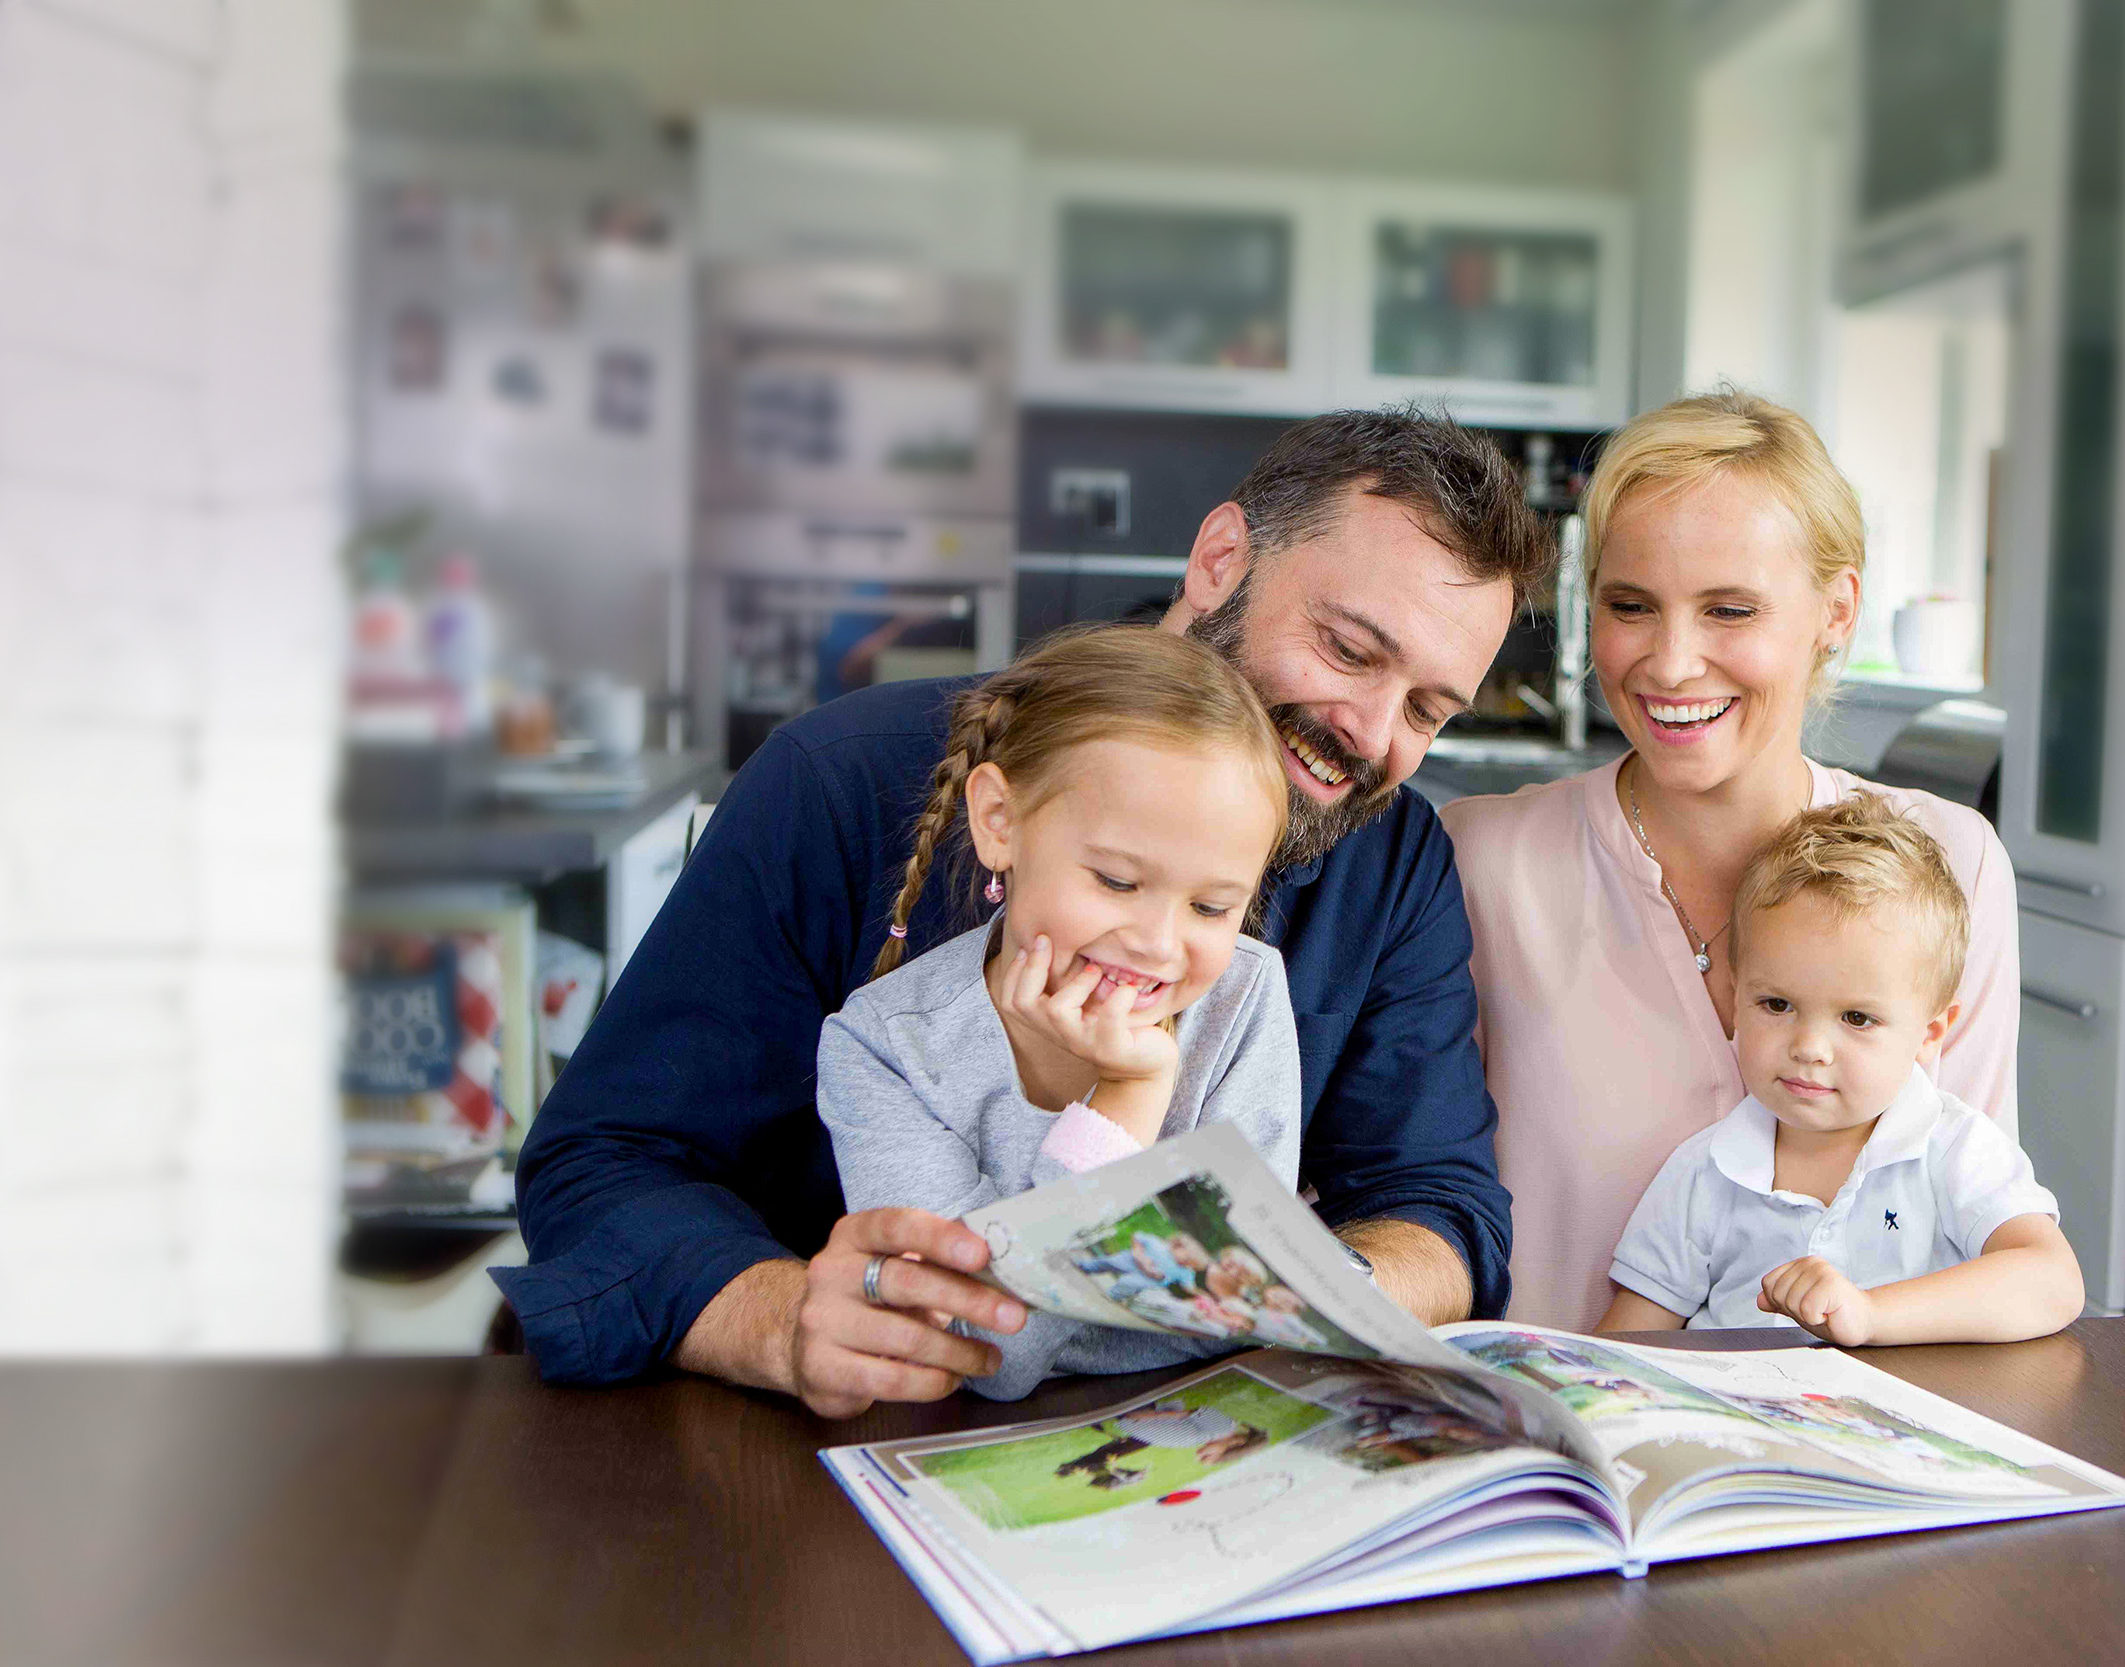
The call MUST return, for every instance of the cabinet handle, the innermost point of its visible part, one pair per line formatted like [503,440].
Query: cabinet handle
[2080,888]
[2072,1008]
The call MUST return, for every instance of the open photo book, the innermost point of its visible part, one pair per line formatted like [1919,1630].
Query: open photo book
[1363,1458]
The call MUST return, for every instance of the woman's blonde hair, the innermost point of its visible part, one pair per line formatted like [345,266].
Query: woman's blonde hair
[1859,855]
[1689,441]
[1103,683]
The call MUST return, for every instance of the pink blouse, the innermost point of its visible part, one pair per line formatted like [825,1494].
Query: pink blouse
[1600,1041]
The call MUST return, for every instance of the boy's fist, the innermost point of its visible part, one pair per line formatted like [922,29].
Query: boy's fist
[1814,1295]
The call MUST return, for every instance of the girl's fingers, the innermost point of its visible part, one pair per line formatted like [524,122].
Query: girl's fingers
[1014,984]
[1039,962]
[1073,996]
[1103,1007]
[1023,982]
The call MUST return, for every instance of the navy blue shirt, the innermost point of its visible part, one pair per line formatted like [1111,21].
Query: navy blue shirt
[681,1144]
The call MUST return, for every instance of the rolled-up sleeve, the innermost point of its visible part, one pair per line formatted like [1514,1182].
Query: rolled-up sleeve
[692,1093]
[1405,1125]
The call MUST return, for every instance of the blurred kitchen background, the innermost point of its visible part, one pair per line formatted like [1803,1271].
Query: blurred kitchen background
[439,439]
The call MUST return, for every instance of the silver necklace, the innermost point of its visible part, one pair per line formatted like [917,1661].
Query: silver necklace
[1703,943]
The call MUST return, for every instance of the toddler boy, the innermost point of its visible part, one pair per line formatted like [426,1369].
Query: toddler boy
[1847,1193]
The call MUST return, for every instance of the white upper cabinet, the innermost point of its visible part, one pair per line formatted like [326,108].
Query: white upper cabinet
[1215,290]
[1511,308]
[1956,123]
[1175,289]
[791,189]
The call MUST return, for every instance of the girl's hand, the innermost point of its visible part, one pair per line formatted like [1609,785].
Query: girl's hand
[1100,1030]
[1815,1295]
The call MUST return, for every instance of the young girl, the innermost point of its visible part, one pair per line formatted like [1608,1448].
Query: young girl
[1124,789]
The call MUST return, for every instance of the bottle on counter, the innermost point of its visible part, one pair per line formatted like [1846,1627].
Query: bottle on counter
[461,641]
[387,637]
[1538,471]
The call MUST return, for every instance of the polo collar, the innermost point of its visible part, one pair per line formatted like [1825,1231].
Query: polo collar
[1744,1146]
[1907,1124]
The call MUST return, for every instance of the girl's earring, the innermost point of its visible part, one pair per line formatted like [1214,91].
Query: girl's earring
[993,891]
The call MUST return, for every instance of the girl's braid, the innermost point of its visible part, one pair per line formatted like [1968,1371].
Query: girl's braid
[979,721]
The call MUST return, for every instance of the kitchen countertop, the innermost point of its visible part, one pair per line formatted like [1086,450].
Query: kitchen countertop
[521,842]
[1462,766]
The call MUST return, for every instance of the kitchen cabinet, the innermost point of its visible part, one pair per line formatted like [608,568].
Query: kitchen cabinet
[1175,289]
[797,190]
[1208,290]
[2073,1090]
[1955,120]
[1511,308]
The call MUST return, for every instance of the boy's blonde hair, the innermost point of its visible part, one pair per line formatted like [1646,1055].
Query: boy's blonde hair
[1858,855]
[1098,683]
[1689,441]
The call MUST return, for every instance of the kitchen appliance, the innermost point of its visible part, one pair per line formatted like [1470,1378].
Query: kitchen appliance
[522,343]
[2058,671]
[857,449]
[1951,749]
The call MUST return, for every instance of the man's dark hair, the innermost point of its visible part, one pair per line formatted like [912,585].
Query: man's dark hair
[1459,485]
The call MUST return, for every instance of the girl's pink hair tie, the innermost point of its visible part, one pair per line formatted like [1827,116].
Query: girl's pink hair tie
[896,931]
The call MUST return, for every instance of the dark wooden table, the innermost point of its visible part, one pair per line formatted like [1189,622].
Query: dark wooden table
[456,1511]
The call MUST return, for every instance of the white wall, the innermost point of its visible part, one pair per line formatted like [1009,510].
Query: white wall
[1522,93]
[170,445]
[1765,148]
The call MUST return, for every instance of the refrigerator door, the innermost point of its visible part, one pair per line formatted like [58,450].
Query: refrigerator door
[2062,675]
[2073,1090]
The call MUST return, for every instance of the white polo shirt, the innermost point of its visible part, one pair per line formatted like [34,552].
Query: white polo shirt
[1935,1180]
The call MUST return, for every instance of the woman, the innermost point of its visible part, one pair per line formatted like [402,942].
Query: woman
[1725,555]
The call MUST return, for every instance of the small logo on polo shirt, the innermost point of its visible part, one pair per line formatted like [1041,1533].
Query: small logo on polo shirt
[1889,1221]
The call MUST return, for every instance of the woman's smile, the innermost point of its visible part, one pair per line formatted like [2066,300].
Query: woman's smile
[1681,722]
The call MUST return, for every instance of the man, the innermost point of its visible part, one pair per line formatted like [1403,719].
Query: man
[678,1190]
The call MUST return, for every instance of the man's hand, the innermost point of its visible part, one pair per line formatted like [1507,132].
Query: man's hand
[1813,1294]
[806,1329]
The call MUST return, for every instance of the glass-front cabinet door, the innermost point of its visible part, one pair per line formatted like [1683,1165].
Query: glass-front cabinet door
[2062,677]
[1175,288]
[1513,308]
[1954,112]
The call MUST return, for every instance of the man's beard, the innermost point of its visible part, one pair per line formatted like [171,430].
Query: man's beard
[1312,828]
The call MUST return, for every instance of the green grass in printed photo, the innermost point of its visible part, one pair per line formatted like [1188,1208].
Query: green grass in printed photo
[1594,1381]
[1011,1485]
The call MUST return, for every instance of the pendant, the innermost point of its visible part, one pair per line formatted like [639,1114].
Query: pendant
[1704,960]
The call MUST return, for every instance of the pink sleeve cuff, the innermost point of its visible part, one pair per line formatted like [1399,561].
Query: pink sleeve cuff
[1082,1139]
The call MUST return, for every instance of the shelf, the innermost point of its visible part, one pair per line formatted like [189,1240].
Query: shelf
[533,845]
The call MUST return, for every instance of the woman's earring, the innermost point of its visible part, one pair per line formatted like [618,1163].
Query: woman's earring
[993,891]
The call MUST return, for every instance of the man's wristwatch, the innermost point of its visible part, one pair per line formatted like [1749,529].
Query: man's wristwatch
[1359,1260]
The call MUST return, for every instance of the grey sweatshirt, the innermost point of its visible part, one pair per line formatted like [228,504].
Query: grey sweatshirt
[920,1092]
